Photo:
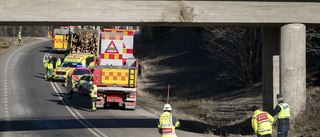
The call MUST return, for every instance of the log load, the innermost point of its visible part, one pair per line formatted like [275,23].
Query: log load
[85,40]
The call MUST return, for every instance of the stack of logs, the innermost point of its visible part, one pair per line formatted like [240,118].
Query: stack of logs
[85,40]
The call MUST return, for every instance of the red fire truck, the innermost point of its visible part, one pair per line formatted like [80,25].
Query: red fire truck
[116,69]
[61,39]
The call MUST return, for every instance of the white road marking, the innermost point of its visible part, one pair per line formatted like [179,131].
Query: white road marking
[6,84]
[73,111]
[73,114]
[81,117]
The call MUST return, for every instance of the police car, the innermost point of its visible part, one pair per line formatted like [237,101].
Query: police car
[83,85]
[79,72]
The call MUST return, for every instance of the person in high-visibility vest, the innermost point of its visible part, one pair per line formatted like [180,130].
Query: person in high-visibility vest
[46,61]
[282,111]
[58,63]
[50,68]
[69,84]
[261,122]
[94,95]
[167,122]
[19,39]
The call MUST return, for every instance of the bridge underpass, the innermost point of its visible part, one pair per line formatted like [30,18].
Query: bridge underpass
[283,24]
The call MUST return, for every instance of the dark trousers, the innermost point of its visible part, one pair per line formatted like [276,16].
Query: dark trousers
[70,92]
[283,129]
[45,73]
[269,135]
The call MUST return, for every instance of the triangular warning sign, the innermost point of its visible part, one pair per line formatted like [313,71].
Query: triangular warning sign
[111,48]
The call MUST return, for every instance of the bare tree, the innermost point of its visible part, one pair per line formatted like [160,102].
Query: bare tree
[240,47]
[313,37]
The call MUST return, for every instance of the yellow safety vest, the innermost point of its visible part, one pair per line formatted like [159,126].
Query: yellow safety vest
[46,64]
[284,112]
[66,82]
[58,63]
[94,91]
[50,66]
[166,125]
[262,122]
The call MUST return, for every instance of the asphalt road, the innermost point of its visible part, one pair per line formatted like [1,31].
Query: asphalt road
[33,107]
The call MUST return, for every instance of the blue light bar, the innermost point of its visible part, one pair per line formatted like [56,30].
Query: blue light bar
[79,66]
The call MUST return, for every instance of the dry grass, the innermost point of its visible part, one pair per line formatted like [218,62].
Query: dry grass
[226,114]
[203,97]
[8,43]
[206,115]
[308,123]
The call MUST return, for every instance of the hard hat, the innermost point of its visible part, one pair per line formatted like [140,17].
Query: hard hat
[167,107]
[90,82]
[69,72]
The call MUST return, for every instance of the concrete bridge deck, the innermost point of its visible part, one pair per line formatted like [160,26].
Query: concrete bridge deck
[283,23]
[164,13]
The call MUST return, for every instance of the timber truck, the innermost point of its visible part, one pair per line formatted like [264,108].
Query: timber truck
[61,39]
[116,69]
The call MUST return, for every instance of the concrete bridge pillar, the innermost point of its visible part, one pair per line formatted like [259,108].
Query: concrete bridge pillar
[293,66]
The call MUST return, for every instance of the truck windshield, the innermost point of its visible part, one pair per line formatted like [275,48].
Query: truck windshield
[80,72]
[69,64]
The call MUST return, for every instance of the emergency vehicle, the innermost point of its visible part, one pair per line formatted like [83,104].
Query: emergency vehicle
[79,72]
[61,39]
[116,69]
[71,62]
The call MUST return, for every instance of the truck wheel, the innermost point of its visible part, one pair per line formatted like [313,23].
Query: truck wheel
[81,91]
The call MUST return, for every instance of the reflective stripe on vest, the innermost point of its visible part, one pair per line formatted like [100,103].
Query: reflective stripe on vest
[50,66]
[93,90]
[46,64]
[268,130]
[166,124]
[264,124]
[284,112]
[58,63]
